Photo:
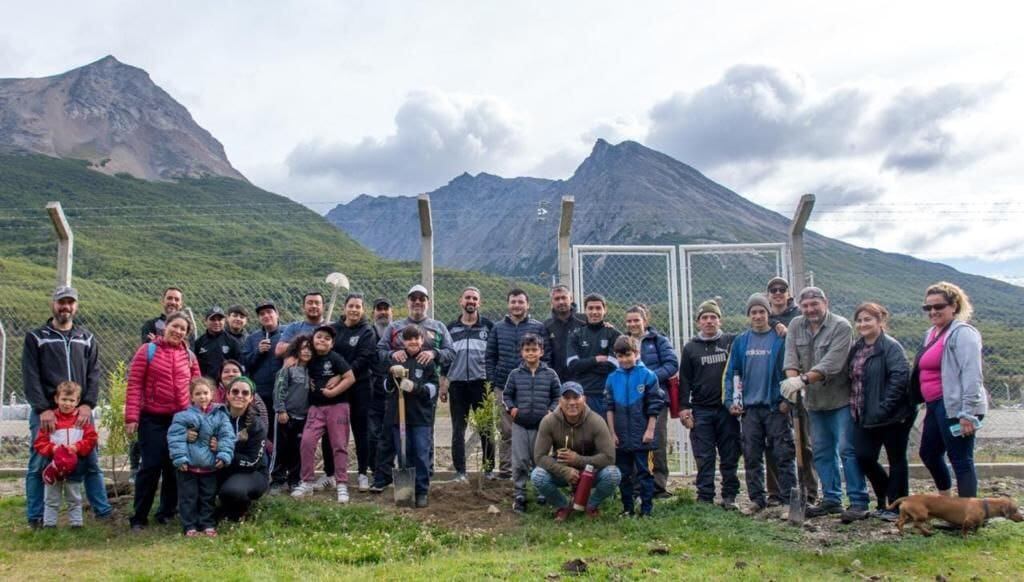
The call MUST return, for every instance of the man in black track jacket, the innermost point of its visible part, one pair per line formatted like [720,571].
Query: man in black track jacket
[701,398]
[590,346]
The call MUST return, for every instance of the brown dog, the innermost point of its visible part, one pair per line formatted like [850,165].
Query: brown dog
[968,512]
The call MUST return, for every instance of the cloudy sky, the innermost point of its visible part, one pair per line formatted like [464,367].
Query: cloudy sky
[903,117]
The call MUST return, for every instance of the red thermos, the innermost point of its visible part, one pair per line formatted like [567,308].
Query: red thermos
[583,487]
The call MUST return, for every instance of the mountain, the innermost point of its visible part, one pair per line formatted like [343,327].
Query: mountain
[629,194]
[112,115]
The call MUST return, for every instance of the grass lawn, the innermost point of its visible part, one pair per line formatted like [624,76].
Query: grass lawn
[317,539]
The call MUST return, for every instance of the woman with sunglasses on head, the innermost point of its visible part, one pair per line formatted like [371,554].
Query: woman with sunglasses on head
[245,479]
[947,377]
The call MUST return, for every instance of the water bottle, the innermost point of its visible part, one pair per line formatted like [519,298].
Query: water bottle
[583,487]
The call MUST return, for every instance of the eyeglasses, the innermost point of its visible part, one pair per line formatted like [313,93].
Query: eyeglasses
[237,392]
[778,290]
[934,307]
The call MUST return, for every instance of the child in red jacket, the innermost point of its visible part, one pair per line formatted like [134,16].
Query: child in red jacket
[64,446]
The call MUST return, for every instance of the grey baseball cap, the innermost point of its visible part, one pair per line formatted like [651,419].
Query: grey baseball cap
[812,293]
[65,292]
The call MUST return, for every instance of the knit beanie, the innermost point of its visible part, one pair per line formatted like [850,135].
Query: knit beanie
[709,306]
[758,299]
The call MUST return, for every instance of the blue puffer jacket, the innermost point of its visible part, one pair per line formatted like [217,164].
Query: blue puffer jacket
[215,422]
[659,357]
[634,396]
[503,348]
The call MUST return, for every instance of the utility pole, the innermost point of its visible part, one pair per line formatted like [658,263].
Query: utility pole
[65,243]
[564,229]
[427,249]
[796,241]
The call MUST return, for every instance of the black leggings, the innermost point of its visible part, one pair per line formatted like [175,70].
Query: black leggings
[239,490]
[868,443]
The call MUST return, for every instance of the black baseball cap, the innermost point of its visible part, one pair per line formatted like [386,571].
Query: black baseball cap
[381,301]
[327,329]
[238,309]
[265,304]
[214,311]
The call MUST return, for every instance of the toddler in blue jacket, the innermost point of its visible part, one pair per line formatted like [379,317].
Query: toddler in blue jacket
[197,462]
[634,400]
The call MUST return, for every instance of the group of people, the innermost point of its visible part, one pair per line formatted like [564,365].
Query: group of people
[228,416]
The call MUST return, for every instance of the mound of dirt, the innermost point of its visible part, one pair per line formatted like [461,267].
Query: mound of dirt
[460,506]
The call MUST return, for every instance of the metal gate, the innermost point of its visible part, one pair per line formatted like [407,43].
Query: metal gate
[671,281]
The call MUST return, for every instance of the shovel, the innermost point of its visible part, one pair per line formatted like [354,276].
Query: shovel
[405,477]
[798,495]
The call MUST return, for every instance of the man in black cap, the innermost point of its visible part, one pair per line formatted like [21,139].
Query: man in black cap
[381,444]
[238,317]
[258,353]
[784,309]
[215,346]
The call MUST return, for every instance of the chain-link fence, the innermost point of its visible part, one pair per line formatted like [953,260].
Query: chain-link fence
[115,310]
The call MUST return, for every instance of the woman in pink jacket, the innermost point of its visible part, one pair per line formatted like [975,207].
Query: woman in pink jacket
[158,389]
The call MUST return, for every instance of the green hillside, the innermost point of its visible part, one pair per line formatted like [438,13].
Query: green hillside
[223,241]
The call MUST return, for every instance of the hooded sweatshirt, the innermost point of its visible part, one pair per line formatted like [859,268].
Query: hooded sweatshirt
[589,437]
[702,371]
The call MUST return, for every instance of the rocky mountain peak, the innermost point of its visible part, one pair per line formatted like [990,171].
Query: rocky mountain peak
[113,115]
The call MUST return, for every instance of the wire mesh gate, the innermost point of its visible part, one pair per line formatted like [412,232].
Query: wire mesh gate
[671,281]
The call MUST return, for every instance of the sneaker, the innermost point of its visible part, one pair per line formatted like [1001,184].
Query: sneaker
[753,508]
[563,513]
[519,504]
[541,500]
[326,482]
[342,493]
[853,514]
[163,519]
[364,483]
[729,504]
[305,488]
[35,523]
[277,489]
[824,508]
[774,502]
[421,500]
[593,512]
[377,489]
[76,526]
[136,527]
[504,475]
[191,533]
[210,532]
[461,478]
[626,514]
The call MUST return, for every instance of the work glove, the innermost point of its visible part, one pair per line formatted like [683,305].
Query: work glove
[399,371]
[406,385]
[791,387]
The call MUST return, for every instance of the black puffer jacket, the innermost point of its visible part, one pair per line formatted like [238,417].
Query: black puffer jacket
[534,394]
[503,347]
[885,383]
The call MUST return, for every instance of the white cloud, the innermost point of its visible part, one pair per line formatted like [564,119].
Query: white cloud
[437,137]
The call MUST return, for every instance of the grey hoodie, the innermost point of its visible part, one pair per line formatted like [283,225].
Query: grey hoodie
[963,386]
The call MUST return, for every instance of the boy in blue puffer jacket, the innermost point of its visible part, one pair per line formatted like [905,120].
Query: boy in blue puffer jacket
[196,462]
[634,400]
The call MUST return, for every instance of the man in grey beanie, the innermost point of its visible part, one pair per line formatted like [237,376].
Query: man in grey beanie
[752,381]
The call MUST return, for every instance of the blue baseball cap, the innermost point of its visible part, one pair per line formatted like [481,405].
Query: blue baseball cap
[573,387]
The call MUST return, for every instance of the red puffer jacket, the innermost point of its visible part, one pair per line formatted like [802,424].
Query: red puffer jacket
[159,386]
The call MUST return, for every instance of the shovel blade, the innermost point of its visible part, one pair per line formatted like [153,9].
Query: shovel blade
[405,487]
[797,506]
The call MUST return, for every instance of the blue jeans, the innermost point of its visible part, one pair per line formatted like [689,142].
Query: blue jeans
[633,467]
[937,442]
[419,450]
[551,486]
[95,489]
[832,440]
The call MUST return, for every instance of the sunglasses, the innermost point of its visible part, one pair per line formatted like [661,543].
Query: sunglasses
[239,392]
[934,307]
[778,290]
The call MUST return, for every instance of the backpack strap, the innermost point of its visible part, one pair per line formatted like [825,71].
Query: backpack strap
[150,351]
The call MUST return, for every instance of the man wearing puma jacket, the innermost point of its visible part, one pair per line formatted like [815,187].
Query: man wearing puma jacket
[701,398]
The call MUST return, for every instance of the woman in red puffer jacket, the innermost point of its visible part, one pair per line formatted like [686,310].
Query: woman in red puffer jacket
[158,389]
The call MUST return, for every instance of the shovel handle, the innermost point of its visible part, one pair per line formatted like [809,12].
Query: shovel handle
[401,428]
